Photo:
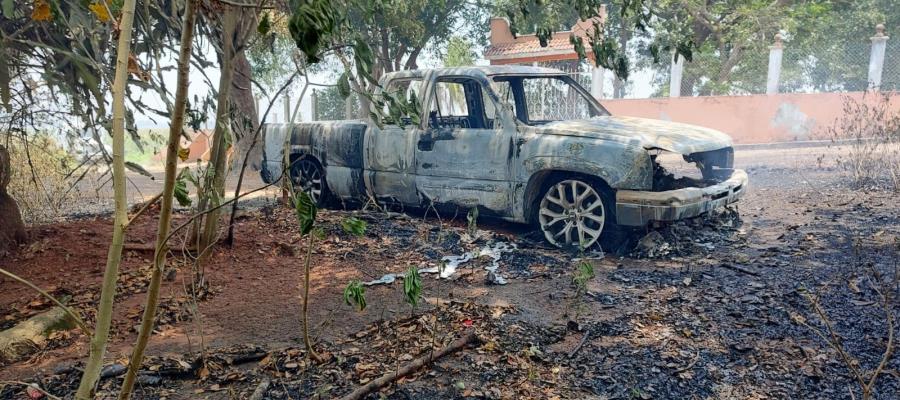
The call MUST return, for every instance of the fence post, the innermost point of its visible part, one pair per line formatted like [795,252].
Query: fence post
[287,108]
[775,54]
[876,59]
[597,75]
[675,76]
[314,105]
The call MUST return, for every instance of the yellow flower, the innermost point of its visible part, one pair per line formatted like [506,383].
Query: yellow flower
[41,11]
[100,11]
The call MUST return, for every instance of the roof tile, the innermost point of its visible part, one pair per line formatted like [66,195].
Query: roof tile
[526,48]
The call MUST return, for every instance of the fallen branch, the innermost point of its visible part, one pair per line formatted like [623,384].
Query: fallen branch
[690,364]
[413,366]
[261,390]
[143,207]
[740,269]
[69,311]
[580,344]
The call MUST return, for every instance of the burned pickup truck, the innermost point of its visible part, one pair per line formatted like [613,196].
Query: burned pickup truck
[524,144]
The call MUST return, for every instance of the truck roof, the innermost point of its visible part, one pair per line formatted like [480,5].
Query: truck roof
[489,70]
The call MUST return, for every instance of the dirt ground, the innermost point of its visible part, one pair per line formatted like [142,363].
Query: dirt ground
[715,307]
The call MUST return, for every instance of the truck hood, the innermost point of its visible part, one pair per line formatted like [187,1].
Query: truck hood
[647,133]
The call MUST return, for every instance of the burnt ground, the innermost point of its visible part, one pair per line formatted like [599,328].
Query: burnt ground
[715,307]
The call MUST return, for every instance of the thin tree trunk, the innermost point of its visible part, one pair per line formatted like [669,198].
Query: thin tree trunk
[310,352]
[624,37]
[111,274]
[165,212]
[215,187]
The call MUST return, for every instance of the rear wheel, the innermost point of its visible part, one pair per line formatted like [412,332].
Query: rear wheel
[307,176]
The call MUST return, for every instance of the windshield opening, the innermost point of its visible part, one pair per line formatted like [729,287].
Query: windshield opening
[543,99]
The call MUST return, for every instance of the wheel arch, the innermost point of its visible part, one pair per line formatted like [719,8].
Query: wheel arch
[297,156]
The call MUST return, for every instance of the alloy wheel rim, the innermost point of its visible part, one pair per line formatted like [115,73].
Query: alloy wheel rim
[572,214]
[308,178]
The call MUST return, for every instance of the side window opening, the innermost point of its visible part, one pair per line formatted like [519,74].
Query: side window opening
[543,99]
[409,88]
[459,103]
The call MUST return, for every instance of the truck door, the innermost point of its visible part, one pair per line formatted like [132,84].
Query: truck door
[463,155]
[389,159]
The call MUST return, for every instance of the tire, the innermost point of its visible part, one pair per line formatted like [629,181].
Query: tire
[307,175]
[578,213]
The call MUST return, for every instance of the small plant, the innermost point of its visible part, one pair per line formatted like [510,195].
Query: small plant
[306,210]
[354,226]
[472,218]
[583,274]
[355,295]
[412,287]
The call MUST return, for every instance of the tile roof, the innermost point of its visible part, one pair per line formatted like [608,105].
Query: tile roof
[528,47]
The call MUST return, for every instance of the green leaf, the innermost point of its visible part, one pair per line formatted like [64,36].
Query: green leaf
[343,85]
[306,212]
[412,286]
[265,25]
[583,273]
[186,174]
[181,191]
[8,8]
[312,24]
[135,167]
[354,226]
[355,294]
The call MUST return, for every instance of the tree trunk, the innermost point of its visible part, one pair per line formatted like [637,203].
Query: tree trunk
[217,169]
[110,276]
[624,37]
[165,213]
[12,230]
[247,121]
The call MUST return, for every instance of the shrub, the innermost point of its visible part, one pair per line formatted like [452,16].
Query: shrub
[872,127]
[46,181]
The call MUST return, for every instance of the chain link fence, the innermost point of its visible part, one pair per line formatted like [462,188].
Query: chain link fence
[890,78]
[836,66]
[805,68]
[827,67]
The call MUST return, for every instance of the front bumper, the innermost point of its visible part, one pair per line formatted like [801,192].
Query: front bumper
[638,208]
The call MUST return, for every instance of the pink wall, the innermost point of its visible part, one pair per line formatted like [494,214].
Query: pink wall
[748,119]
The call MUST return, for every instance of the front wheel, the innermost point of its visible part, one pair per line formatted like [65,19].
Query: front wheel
[307,176]
[574,213]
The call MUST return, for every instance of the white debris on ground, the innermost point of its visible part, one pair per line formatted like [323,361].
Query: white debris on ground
[386,280]
[449,264]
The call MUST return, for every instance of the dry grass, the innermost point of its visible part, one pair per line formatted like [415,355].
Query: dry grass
[872,125]
[46,181]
